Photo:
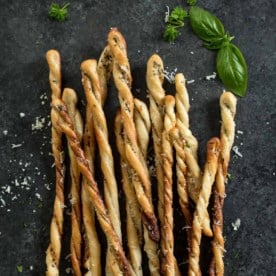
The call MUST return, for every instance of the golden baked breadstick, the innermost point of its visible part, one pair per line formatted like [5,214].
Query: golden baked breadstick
[122,78]
[70,99]
[104,69]
[133,214]
[210,169]
[54,248]
[92,250]
[143,126]
[62,120]
[228,104]
[155,77]
[93,92]
[181,171]
[182,121]
[169,263]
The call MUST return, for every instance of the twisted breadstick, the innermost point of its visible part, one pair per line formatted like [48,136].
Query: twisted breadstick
[70,99]
[228,104]
[93,94]
[168,265]
[92,250]
[62,120]
[54,248]
[122,78]
[143,126]
[179,146]
[155,77]
[182,122]
[104,69]
[210,169]
[133,214]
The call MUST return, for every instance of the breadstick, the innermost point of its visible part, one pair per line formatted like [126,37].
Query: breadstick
[169,263]
[92,250]
[155,77]
[62,120]
[93,94]
[104,69]
[210,169]
[228,104]
[143,126]
[69,97]
[54,248]
[122,78]
[191,145]
[133,214]
[179,146]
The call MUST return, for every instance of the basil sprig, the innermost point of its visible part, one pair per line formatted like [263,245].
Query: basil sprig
[231,65]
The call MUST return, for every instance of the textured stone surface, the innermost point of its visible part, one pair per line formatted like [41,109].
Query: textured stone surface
[27,33]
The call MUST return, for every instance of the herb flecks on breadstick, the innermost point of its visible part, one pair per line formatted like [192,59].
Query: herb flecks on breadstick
[56,230]
[123,80]
[210,169]
[143,126]
[133,214]
[92,250]
[93,92]
[228,104]
[169,262]
[69,97]
[62,120]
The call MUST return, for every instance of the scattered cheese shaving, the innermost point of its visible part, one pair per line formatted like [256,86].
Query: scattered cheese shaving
[22,115]
[236,151]
[190,81]
[236,225]
[14,146]
[39,123]
[167,14]
[211,77]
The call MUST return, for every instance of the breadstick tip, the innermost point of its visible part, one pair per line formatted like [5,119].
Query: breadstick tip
[53,56]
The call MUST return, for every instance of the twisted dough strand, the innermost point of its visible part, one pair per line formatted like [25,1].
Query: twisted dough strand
[56,229]
[64,123]
[133,214]
[179,146]
[169,263]
[122,78]
[155,78]
[92,250]
[210,169]
[228,104]
[70,99]
[143,126]
[93,94]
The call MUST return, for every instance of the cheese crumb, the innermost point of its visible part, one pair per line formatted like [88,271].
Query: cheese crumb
[167,14]
[211,77]
[236,151]
[190,81]
[14,146]
[39,123]
[22,115]
[5,132]
[236,225]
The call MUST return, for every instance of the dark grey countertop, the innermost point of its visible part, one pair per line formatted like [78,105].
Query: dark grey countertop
[27,33]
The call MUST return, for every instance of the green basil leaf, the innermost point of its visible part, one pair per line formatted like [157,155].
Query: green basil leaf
[206,25]
[232,69]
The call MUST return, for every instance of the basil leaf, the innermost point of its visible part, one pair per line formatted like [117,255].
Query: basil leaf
[232,69]
[205,25]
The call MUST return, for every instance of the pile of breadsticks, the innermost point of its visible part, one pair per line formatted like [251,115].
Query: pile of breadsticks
[167,123]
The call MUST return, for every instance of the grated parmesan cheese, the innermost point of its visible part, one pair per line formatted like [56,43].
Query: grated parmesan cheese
[22,115]
[14,146]
[236,225]
[39,123]
[167,14]
[236,151]
[190,81]
[211,77]
[5,132]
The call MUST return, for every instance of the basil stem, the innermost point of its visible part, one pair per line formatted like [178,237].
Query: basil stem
[232,69]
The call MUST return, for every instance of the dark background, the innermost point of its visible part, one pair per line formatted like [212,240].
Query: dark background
[26,34]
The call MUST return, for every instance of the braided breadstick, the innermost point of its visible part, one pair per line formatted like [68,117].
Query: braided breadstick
[213,150]
[93,94]
[92,252]
[54,248]
[69,97]
[228,104]
[168,265]
[133,214]
[182,122]
[122,78]
[104,69]
[143,126]
[179,146]
[155,77]
[62,120]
